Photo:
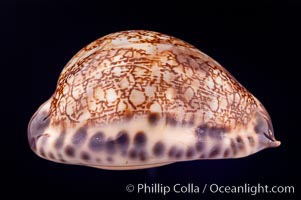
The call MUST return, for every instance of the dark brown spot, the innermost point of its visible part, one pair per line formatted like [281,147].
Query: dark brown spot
[51,156]
[179,154]
[171,120]
[261,125]
[79,137]
[214,132]
[110,159]
[233,146]
[122,140]
[98,160]
[190,152]
[226,153]
[140,139]
[199,146]
[69,150]
[251,140]
[128,115]
[60,141]
[133,154]
[110,146]
[85,156]
[158,149]
[142,155]
[214,152]
[172,151]
[257,129]
[240,142]
[153,118]
[238,139]
[97,141]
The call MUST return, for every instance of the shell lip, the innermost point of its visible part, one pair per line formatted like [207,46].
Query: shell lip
[130,167]
[274,143]
[31,139]
[36,126]
[272,140]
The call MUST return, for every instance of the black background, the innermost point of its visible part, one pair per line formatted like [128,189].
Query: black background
[257,42]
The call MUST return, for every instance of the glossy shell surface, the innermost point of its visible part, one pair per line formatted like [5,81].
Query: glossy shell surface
[140,99]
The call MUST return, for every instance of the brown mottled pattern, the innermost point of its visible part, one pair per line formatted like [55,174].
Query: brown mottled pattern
[141,72]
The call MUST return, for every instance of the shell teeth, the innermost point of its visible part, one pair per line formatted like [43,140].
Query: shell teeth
[139,99]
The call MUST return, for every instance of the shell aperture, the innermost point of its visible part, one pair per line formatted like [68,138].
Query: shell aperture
[140,99]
